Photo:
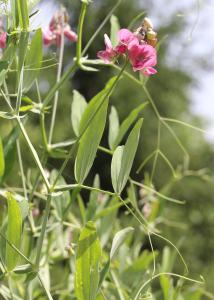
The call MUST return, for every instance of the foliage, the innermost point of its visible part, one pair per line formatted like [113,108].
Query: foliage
[70,239]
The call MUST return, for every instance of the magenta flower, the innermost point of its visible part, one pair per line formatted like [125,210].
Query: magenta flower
[125,36]
[135,46]
[109,54]
[3,39]
[143,57]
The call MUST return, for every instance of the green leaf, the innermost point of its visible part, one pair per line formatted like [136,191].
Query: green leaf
[89,144]
[119,239]
[123,158]
[33,61]
[113,127]
[116,167]
[87,264]
[115,27]
[14,230]
[94,118]
[166,286]
[78,107]
[127,123]
[2,163]
[94,104]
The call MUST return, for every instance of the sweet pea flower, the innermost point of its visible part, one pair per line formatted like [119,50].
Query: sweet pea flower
[143,57]
[109,54]
[138,47]
[125,36]
[58,26]
[3,39]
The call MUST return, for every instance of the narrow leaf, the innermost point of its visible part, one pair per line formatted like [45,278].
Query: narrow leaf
[87,264]
[14,230]
[116,167]
[127,123]
[94,119]
[78,107]
[113,127]
[122,160]
[119,240]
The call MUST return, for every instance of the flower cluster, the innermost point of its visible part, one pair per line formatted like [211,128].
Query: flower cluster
[139,46]
[58,26]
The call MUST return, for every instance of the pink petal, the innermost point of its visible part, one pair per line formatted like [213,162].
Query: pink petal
[125,36]
[71,35]
[48,37]
[105,56]
[149,71]
[107,42]
[3,39]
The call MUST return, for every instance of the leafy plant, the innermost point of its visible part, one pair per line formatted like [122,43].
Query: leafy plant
[73,240]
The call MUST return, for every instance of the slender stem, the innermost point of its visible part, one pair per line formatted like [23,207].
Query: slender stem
[48,294]
[43,230]
[157,152]
[166,274]
[21,167]
[56,97]
[33,152]
[80,31]
[19,94]
[42,120]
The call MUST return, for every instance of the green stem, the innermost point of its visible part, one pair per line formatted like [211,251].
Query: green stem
[33,152]
[80,32]
[56,97]
[43,230]
[42,120]
[48,294]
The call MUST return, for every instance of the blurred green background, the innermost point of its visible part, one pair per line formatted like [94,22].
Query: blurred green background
[190,225]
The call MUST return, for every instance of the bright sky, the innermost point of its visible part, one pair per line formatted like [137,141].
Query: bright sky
[197,45]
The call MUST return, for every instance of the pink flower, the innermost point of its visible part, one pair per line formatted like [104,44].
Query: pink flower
[58,25]
[125,36]
[109,54]
[143,57]
[3,39]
